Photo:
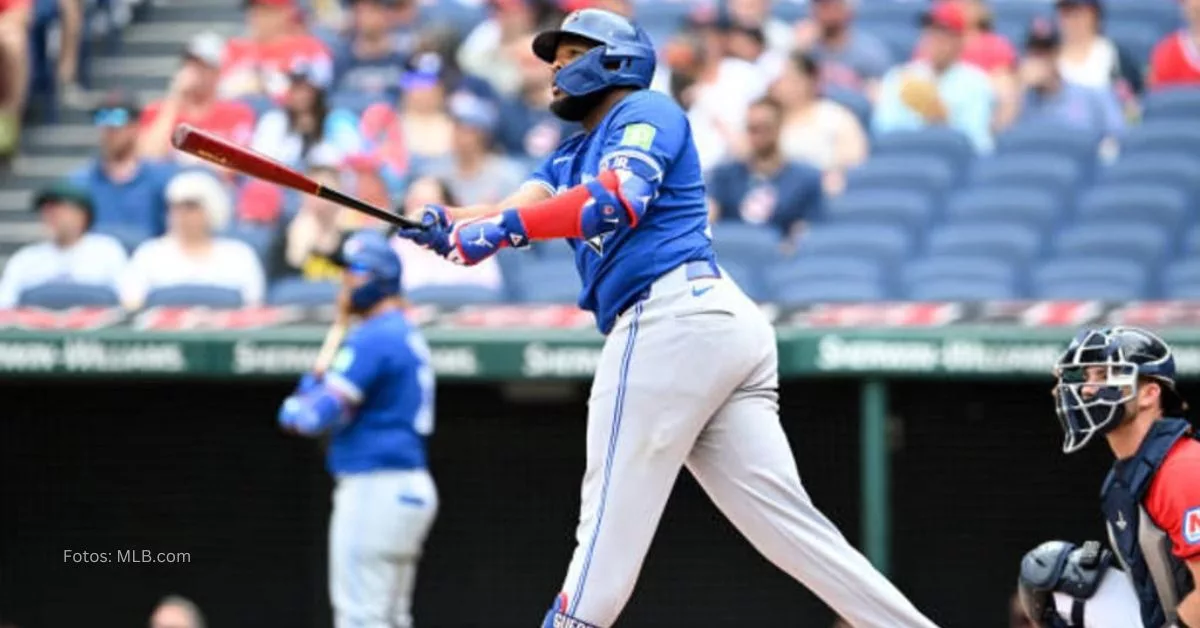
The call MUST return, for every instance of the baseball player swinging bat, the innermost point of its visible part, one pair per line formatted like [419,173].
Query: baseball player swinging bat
[220,151]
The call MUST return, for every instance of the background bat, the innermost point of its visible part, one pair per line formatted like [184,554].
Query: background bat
[222,152]
[329,348]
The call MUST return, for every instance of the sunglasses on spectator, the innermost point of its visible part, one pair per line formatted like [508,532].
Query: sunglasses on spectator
[112,117]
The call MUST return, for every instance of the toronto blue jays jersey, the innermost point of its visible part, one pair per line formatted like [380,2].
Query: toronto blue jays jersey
[383,366]
[618,268]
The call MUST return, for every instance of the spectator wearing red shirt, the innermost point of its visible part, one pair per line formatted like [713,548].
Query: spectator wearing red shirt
[192,98]
[1176,59]
[277,42]
[15,18]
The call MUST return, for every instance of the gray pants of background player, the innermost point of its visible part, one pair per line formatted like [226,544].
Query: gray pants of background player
[688,376]
[379,524]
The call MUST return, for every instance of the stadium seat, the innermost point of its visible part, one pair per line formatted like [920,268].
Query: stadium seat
[957,268]
[1050,139]
[748,277]
[1004,240]
[1161,136]
[258,237]
[1163,205]
[187,295]
[880,242]
[805,269]
[1057,174]
[1176,169]
[746,243]
[853,100]
[901,38]
[548,281]
[129,236]
[299,291]
[829,291]
[456,294]
[1132,240]
[1005,203]
[962,290]
[948,144]
[1097,290]
[928,175]
[908,208]
[1174,103]
[1186,271]
[1090,277]
[61,295]
[1183,292]
[1191,241]
[1164,16]
[1137,38]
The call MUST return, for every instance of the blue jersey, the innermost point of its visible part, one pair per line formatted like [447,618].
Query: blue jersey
[383,367]
[618,268]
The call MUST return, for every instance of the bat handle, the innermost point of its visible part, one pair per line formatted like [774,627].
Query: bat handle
[330,346]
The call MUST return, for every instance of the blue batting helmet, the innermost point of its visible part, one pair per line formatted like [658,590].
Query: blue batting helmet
[368,253]
[1098,376]
[623,56]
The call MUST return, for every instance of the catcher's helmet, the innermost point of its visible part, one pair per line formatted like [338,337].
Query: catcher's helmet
[1088,404]
[623,56]
[368,253]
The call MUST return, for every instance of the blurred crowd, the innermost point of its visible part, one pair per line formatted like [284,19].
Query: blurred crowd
[366,98]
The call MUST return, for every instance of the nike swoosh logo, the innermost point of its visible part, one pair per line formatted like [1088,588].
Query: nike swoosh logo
[696,291]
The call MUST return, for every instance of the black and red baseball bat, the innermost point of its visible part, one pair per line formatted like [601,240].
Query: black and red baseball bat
[222,152]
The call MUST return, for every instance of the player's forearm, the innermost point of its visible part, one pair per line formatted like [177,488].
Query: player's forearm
[578,212]
[1189,610]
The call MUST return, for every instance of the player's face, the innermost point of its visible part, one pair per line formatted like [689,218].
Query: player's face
[569,49]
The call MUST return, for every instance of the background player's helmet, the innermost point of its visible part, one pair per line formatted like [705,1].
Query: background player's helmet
[368,253]
[623,57]
[1125,354]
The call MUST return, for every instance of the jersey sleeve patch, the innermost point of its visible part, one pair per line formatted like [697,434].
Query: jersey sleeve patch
[639,135]
[1191,526]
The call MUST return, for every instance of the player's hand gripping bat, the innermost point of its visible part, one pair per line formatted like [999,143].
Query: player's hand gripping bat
[222,152]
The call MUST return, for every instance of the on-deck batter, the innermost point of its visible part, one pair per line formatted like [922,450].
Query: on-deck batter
[688,372]
[376,403]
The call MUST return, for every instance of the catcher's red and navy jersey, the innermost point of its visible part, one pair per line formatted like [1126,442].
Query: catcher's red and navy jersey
[383,366]
[616,269]
[1173,500]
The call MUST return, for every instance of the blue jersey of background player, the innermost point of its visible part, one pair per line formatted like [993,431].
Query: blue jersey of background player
[375,403]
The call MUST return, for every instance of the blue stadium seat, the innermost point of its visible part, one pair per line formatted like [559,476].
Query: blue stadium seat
[1183,292]
[1057,174]
[455,294]
[900,37]
[807,269]
[1050,139]
[1004,240]
[1128,239]
[1090,277]
[957,268]
[1184,272]
[1005,203]
[743,242]
[1172,103]
[941,142]
[880,242]
[829,291]
[855,101]
[929,175]
[1191,241]
[1177,169]
[1161,136]
[748,277]
[186,295]
[548,281]
[299,291]
[905,208]
[1164,16]
[1137,38]
[1163,205]
[61,295]
[129,236]
[258,237]
[962,290]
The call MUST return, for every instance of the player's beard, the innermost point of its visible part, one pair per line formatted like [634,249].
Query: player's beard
[576,108]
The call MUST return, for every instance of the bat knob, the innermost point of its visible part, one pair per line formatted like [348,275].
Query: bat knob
[179,137]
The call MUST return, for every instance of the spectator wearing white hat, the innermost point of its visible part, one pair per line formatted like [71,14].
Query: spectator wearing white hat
[191,253]
[473,171]
[192,98]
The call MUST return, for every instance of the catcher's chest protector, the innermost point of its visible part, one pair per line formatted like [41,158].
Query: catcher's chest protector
[1160,579]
